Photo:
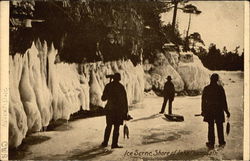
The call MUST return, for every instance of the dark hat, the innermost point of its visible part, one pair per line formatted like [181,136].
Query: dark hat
[169,78]
[117,76]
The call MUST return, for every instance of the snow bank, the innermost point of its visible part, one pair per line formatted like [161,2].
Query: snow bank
[43,89]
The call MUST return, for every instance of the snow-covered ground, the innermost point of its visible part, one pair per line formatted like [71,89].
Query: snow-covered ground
[151,135]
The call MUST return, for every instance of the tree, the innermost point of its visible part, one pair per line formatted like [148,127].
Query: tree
[153,35]
[195,38]
[76,27]
[22,9]
[174,37]
[224,50]
[190,9]
[21,13]
[215,60]
[242,60]
[236,49]
[174,4]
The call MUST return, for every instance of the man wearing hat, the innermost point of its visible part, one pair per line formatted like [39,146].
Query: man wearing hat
[213,106]
[116,109]
[168,94]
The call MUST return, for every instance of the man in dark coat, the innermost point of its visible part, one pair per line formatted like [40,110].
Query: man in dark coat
[168,94]
[214,104]
[116,109]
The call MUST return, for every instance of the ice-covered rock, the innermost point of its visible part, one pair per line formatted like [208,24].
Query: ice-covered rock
[159,72]
[186,70]
[147,66]
[173,58]
[170,52]
[194,74]
[186,57]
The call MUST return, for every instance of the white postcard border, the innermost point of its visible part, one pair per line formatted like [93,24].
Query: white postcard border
[4,79]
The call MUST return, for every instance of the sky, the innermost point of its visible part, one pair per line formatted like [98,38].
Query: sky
[221,22]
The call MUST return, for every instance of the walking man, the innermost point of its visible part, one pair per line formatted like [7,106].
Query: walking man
[214,104]
[168,94]
[116,109]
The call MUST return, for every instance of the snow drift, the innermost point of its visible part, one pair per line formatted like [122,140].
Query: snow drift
[43,89]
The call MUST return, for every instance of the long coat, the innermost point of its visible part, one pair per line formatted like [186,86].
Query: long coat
[169,91]
[117,105]
[214,103]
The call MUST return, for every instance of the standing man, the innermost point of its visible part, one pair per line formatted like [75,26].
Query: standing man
[116,109]
[214,104]
[168,94]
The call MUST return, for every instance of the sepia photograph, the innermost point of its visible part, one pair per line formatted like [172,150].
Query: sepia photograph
[126,80]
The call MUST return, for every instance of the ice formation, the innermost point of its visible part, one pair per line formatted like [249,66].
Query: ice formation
[186,70]
[43,89]
[28,97]
[193,73]
[159,72]
[173,58]
[17,118]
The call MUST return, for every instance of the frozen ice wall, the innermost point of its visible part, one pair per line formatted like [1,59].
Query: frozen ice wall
[17,118]
[41,89]
[131,78]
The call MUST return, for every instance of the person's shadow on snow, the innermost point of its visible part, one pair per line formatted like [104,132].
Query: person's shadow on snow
[90,153]
[146,118]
